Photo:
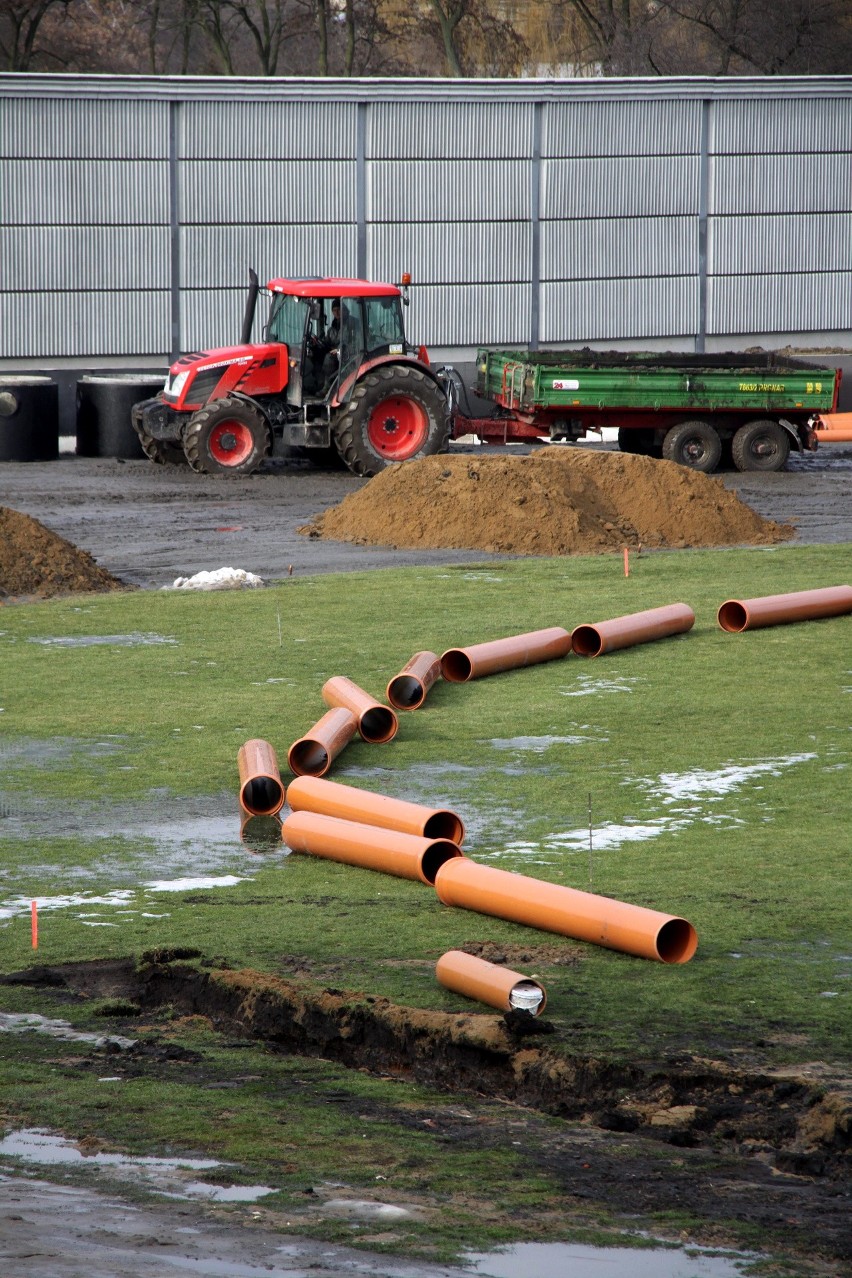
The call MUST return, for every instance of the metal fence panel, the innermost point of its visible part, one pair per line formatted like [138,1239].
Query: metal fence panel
[609,248]
[639,186]
[779,243]
[272,130]
[448,191]
[215,192]
[463,252]
[90,325]
[795,125]
[452,130]
[48,258]
[220,256]
[627,128]
[69,128]
[498,315]
[87,192]
[779,303]
[780,184]
[611,310]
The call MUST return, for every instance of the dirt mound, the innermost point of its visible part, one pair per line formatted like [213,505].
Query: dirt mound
[558,501]
[35,561]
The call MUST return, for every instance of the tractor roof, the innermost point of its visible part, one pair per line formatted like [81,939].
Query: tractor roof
[332,288]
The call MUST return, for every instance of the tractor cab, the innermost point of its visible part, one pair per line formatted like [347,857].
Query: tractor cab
[331,329]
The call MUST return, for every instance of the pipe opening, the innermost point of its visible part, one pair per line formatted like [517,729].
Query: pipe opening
[526,996]
[308,758]
[732,616]
[378,724]
[444,825]
[436,855]
[586,641]
[677,941]
[262,796]
[405,692]
[456,666]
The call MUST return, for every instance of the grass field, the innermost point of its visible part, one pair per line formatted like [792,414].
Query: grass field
[705,775]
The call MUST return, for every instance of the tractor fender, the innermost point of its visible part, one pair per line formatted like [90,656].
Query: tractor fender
[344,390]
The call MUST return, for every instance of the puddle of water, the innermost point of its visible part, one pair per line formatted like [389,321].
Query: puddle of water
[538,745]
[135,640]
[672,787]
[194,885]
[31,1022]
[121,896]
[570,1260]
[163,1175]
[589,686]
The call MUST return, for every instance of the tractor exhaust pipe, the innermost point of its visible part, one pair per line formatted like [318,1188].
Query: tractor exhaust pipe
[376,723]
[261,788]
[312,755]
[408,689]
[489,983]
[405,855]
[736,615]
[458,665]
[633,929]
[636,627]
[251,307]
[329,798]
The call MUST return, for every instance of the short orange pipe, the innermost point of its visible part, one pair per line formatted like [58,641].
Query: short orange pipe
[582,915]
[376,723]
[834,428]
[261,788]
[458,665]
[406,855]
[489,983]
[736,615]
[261,833]
[636,627]
[329,798]
[312,755]
[408,689]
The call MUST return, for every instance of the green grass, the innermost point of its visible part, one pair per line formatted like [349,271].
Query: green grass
[90,734]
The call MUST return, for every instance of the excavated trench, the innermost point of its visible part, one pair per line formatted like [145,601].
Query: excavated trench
[798,1124]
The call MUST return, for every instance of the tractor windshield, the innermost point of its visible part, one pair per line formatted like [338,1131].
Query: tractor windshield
[287,319]
[383,323]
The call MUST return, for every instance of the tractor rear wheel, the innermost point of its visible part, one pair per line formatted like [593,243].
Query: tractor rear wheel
[396,413]
[227,437]
[694,444]
[761,445]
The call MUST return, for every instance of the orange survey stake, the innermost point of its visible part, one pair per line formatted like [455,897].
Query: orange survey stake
[406,855]
[553,908]
[329,798]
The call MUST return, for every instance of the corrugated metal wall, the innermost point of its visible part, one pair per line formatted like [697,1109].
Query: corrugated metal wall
[544,212]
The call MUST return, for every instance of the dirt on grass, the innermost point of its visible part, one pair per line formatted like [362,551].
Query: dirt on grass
[553,502]
[36,563]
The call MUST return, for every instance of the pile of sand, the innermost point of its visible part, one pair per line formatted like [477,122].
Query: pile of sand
[559,501]
[36,562]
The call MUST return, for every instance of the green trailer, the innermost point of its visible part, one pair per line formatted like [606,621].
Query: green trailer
[693,409]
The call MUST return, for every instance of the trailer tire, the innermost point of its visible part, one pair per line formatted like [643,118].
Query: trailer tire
[227,437]
[760,445]
[396,413]
[695,444]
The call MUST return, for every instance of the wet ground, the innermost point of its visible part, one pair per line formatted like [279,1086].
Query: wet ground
[150,524]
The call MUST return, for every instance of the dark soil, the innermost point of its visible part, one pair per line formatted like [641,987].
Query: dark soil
[35,562]
[642,1137]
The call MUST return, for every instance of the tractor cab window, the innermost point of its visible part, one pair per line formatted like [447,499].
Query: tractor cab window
[287,319]
[383,324]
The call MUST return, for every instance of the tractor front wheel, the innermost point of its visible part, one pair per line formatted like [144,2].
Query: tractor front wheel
[227,437]
[395,414]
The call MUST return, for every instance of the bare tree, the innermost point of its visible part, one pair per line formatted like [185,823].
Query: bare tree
[20,23]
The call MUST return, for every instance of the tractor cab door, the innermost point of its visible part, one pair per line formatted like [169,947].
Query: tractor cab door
[290,322]
[369,327]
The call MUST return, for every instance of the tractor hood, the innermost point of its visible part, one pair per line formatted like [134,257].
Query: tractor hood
[201,376]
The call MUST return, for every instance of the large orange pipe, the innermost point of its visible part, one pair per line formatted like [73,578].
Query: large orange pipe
[458,665]
[636,627]
[406,855]
[553,908]
[736,615]
[261,788]
[834,428]
[489,983]
[408,689]
[312,754]
[329,798]
[376,723]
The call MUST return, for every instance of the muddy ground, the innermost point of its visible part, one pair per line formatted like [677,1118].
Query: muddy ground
[149,524]
[716,1156]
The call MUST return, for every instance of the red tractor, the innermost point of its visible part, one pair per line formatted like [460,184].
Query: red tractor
[333,374]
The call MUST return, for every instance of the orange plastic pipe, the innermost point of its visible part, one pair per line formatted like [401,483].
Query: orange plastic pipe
[736,615]
[408,689]
[329,798]
[376,723]
[406,855]
[582,915]
[261,788]
[834,428]
[636,627]
[489,983]
[458,665]
[312,754]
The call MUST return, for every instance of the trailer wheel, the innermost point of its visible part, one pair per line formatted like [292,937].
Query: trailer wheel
[695,444]
[760,445]
[396,413]
[227,437]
